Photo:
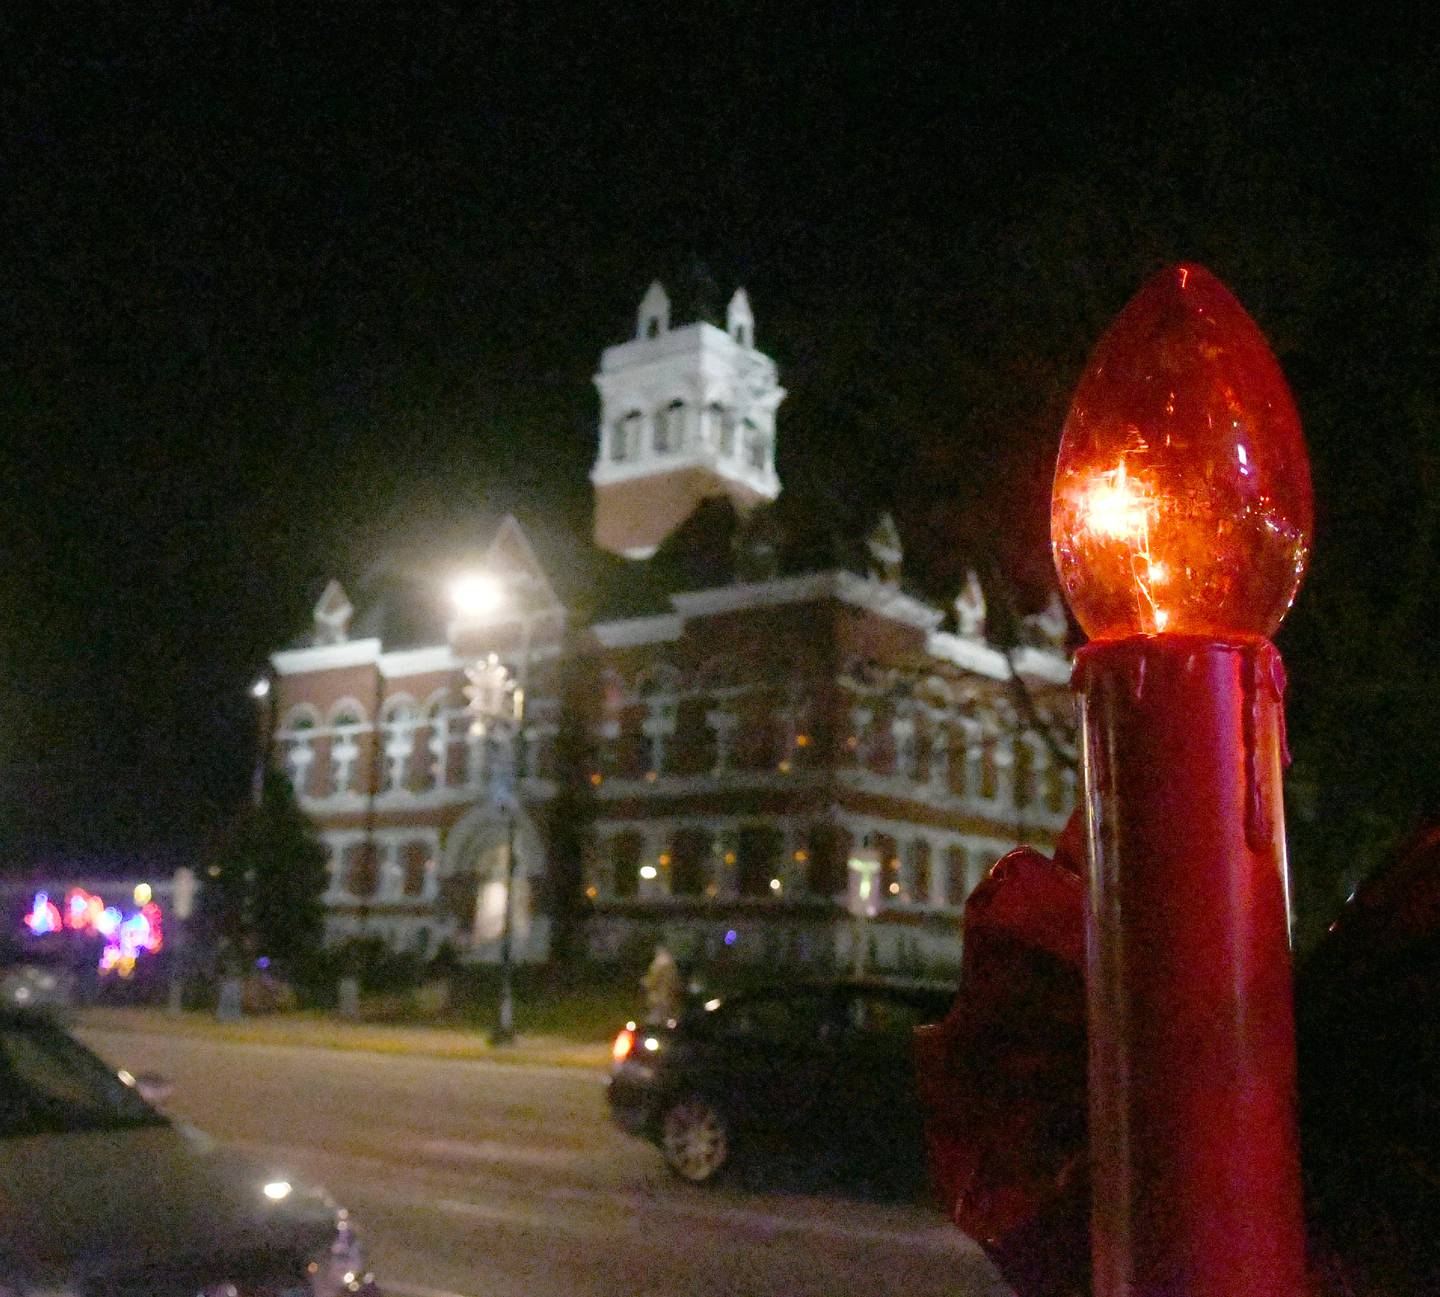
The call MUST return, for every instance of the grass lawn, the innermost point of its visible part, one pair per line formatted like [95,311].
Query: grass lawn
[584,1002]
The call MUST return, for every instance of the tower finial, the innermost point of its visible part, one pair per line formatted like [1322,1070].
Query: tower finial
[332,615]
[740,320]
[654,316]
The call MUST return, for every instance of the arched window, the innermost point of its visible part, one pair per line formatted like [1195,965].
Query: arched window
[758,851]
[431,757]
[626,850]
[361,871]
[592,872]
[670,428]
[414,856]
[757,446]
[689,862]
[625,437]
[989,772]
[300,719]
[346,718]
[903,730]
[811,740]
[692,750]
[959,761]
[397,722]
[1024,773]
[957,875]
[758,744]
[828,866]
[728,424]
[297,744]
[920,870]
[715,424]
[892,884]
[626,744]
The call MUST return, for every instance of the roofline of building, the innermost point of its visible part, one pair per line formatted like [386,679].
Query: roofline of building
[630,632]
[697,335]
[862,592]
[326,657]
[846,587]
[984,659]
[395,664]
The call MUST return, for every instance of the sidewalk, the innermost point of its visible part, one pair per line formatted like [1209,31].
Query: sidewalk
[318,1031]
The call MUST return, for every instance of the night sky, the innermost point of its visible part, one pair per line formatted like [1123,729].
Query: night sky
[288,288]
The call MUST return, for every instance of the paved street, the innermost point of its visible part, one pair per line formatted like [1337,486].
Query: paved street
[473,1179]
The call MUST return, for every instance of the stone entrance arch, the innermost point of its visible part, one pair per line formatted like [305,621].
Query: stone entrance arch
[472,883]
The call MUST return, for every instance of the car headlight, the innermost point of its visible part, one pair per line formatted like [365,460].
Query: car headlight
[341,1267]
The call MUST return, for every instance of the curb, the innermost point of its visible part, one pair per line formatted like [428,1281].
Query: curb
[451,1044]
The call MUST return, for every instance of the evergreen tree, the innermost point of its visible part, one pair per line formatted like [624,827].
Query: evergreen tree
[265,880]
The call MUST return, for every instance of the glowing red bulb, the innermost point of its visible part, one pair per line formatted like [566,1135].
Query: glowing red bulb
[1182,500]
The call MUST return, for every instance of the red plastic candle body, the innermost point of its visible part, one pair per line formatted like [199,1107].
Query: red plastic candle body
[1181,524]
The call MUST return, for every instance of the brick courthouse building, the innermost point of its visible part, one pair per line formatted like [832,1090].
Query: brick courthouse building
[715,720]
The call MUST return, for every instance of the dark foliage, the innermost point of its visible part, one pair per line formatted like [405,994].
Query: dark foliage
[260,897]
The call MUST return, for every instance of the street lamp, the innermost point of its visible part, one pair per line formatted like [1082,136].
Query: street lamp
[477,594]
[262,695]
[497,707]
[1180,524]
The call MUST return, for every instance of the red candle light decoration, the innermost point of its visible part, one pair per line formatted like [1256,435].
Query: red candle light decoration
[1182,497]
[1181,526]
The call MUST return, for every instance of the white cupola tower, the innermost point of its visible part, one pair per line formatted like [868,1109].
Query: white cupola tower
[685,413]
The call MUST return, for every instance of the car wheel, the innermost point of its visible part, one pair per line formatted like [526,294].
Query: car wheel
[695,1138]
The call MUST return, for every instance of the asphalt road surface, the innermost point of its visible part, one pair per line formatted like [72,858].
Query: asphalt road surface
[500,1180]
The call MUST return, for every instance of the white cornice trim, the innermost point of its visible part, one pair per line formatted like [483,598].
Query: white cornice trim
[763,481]
[326,657]
[755,594]
[700,336]
[968,654]
[877,597]
[1044,664]
[419,661]
[982,659]
[639,630]
[846,587]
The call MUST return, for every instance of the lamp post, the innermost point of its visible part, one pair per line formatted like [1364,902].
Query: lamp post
[497,699]
[1180,525]
[262,693]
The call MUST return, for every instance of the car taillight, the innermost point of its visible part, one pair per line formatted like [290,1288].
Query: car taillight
[624,1043]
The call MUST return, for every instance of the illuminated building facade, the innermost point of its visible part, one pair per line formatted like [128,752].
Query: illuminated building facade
[713,728]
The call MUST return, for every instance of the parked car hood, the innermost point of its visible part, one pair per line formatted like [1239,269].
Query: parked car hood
[79,1206]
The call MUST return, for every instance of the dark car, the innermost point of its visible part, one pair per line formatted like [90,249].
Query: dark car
[35,977]
[100,1193]
[823,1066]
